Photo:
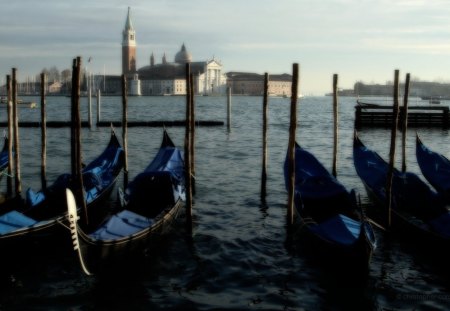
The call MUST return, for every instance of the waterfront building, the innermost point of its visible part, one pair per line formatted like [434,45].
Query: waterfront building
[129,57]
[168,78]
[417,88]
[128,48]
[246,83]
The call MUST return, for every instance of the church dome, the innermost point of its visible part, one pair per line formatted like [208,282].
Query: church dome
[183,56]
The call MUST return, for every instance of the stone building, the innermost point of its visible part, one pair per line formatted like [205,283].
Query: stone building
[168,78]
[245,83]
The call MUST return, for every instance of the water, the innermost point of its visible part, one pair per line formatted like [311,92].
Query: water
[238,257]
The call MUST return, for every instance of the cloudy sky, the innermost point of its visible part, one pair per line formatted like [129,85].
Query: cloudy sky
[361,40]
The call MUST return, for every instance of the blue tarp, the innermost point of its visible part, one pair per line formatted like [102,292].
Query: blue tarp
[339,229]
[97,175]
[168,159]
[148,194]
[14,220]
[167,168]
[122,225]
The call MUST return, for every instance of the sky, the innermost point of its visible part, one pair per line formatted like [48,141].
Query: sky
[360,40]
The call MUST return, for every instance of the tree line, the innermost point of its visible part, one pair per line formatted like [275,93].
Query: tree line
[54,75]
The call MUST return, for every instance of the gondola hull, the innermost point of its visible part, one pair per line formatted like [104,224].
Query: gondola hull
[21,223]
[100,256]
[435,168]
[327,217]
[355,258]
[150,204]
[417,212]
[99,179]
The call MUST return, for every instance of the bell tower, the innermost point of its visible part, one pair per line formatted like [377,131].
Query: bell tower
[128,47]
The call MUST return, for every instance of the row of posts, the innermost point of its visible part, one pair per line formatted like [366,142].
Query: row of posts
[13,135]
[190,136]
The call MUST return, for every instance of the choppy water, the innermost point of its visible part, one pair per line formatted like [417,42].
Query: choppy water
[238,257]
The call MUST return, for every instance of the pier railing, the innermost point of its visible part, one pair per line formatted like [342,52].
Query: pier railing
[418,116]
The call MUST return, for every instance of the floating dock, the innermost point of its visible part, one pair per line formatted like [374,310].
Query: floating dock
[172,123]
[372,115]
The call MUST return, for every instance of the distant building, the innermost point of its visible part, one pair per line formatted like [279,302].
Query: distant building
[417,88]
[245,83]
[107,84]
[128,48]
[129,57]
[54,88]
[168,78]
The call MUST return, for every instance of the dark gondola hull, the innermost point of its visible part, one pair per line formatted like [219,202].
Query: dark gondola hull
[412,229]
[355,258]
[414,204]
[326,214]
[435,168]
[101,256]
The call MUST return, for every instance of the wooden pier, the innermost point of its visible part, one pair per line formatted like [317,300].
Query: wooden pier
[372,115]
[162,123]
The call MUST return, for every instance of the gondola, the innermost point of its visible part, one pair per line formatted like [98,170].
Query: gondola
[4,158]
[99,179]
[151,202]
[328,213]
[27,222]
[435,167]
[417,211]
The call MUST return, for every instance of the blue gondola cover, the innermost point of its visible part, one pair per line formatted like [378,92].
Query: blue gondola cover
[121,225]
[14,220]
[339,229]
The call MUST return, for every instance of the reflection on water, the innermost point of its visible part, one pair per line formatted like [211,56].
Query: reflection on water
[239,255]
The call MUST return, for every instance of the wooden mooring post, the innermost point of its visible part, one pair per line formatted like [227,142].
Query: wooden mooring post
[264,138]
[229,109]
[99,96]
[336,124]
[291,146]
[73,145]
[405,121]
[43,134]
[390,172]
[192,132]
[18,181]
[76,118]
[187,147]
[9,186]
[125,129]
[89,105]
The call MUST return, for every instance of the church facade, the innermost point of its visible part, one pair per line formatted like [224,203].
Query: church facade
[168,78]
